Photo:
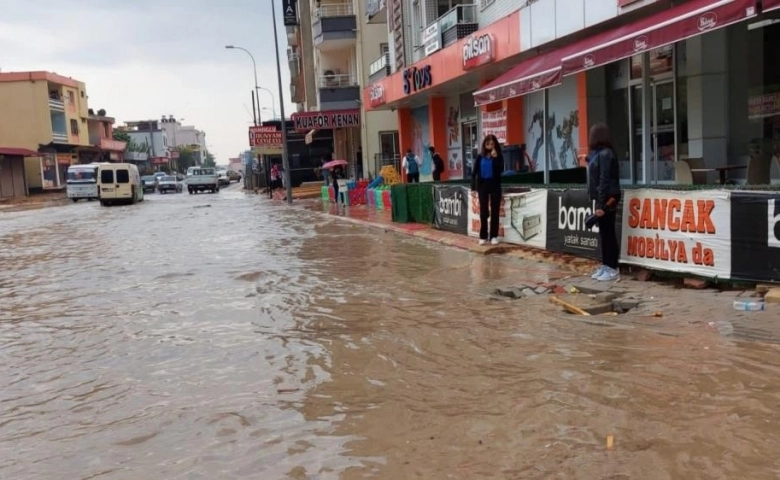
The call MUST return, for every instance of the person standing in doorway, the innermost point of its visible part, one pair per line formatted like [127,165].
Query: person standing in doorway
[438,164]
[604,190]
[412,167]
[486,180]
[359,164]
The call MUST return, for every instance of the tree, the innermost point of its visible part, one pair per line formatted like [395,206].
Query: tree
[122,136]
[186,158]
[209,161]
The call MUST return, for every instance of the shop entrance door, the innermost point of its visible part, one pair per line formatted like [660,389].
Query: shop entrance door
[662,130]
[470,142]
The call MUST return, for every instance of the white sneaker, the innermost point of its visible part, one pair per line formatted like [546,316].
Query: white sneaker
[494,241]
[482,243]
[608,275]
[598,272]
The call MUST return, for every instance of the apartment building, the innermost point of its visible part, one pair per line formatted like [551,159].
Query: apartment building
[675,81]
[103,147]
[149,143]
[46,113]
[330,51]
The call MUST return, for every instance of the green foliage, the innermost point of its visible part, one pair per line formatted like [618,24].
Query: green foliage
[209,161]
[122,136]
[186,158]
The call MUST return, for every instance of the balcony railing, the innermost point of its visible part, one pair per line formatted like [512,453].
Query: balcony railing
[459,14]
[59,136]
[335,10]
[337,81]
[56,103]
[381,63]
[375,6]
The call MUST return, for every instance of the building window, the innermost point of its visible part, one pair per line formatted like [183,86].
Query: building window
[74,127]
[483,4]
[71,98]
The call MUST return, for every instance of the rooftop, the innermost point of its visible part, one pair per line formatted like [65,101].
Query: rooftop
[35,76]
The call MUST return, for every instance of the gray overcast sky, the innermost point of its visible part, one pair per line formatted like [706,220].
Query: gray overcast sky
[143,59]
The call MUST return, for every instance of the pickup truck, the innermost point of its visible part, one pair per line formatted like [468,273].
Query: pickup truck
[203,179]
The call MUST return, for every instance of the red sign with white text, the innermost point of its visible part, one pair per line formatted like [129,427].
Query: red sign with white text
[478,50]
[265,137]
[329,120]
[377,96]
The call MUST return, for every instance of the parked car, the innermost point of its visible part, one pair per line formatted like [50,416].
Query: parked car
[149,183]
[169,184]
[234,176]
[224,180]
[203,179]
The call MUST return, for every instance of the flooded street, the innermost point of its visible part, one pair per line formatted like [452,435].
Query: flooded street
[221,336]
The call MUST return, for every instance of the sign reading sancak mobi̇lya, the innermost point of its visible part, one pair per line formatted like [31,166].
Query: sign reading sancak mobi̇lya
[305,122]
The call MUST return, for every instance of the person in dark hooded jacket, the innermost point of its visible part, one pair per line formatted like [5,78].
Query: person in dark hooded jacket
[604,190]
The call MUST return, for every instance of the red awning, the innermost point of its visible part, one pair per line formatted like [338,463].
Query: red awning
[537,72]
[18,152]
[769,5]
[686,20]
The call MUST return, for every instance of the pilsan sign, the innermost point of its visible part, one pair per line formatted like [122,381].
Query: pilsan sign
[377,96]
[478,50]
[305,122]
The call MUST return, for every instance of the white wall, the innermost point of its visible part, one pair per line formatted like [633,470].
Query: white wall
[546,20]
[496,10]
[160,140]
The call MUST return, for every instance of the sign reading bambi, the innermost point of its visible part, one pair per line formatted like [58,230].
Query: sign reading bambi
[755,236]
[678,231]
[566,230]
[451,208]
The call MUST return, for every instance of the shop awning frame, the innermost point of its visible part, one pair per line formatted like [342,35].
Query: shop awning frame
[536,73]
[687,20]
[769,5]
[19,152]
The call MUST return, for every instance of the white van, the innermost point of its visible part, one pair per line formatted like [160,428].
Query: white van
[119,183]
[82,182]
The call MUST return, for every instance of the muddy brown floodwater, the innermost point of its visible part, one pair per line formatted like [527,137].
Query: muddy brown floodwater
[221,337]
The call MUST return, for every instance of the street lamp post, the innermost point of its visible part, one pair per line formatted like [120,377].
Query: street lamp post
[254,70]
[273,100]
[285,154]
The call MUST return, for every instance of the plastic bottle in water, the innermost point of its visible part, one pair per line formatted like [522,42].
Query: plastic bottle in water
[748,306]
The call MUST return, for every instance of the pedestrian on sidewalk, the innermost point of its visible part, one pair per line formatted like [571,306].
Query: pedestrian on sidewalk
[336,173]
[604,190]
[438,164]
[486,180]
[412,167]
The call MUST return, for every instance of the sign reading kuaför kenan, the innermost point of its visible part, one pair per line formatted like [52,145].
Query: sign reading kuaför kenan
[328,120]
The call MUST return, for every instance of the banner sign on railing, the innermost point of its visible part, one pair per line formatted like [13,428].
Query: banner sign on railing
[566,230]
[755,236]
[679,231]
[451,208]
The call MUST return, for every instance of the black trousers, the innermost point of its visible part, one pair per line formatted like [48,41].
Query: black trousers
[437,176]
[412,178]
[610,248]
[489,206]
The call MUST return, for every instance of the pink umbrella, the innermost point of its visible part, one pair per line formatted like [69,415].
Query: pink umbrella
[334,164]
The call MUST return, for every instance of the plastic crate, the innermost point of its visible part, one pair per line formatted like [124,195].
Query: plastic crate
[387,198]
[380,205]
[420,198]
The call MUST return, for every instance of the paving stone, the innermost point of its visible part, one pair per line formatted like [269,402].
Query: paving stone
[606,297]
[625,304]
[695,283]
[772,296]
[599,309]
[509,292]
[541,290]
[528,292]
[644,275]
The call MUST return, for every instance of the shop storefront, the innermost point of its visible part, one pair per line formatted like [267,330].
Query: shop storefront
[690,92]
[342,126]
[434,98]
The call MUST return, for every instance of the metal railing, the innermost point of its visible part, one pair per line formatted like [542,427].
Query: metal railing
[337,81]
[379,64]
[57,103]
[374,6]
[335,10]
[459,14]
[382,159]
[59,136]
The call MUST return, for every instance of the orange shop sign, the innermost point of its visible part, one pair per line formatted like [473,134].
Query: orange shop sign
[688,232]
[478,50]
[265,137]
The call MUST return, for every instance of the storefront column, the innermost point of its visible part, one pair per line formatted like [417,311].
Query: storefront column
[647,111]
[405,139]
[582,116]
[437,124]
[515,131]
[547,139]
[708,98]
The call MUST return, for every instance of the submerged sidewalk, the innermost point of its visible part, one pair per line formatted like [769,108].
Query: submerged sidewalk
[662,307]
[39,200]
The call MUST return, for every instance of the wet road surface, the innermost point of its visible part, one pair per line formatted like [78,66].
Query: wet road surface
[220,336]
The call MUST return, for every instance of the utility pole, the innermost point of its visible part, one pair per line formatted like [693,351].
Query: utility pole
[285,155]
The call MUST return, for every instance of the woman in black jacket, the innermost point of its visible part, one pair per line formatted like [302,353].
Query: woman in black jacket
[486,180]
[604,189]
